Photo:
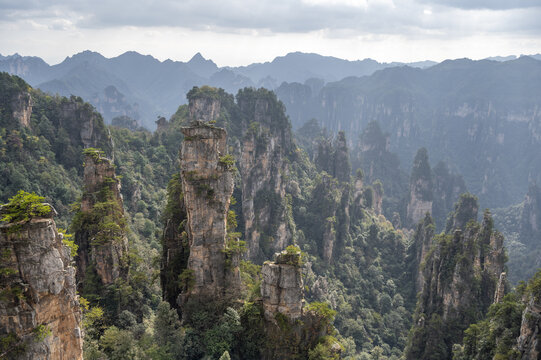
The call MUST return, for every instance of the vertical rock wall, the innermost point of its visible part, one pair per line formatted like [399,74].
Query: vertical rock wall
[207,184]
[264,168]
[39,306]
[99,225]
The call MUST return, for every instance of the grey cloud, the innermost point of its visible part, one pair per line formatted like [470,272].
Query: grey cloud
[485,4]
[402,17]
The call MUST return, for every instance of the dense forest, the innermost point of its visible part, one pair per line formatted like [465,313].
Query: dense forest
[225,234]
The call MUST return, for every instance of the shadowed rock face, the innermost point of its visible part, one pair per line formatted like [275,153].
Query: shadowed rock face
[207,183]
[102,248]
[39,292]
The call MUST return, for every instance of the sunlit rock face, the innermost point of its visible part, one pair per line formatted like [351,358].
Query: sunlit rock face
[207,183]
[39,309]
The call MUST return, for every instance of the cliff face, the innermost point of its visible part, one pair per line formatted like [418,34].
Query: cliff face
[99,225]
[265,146]
[22,108]
[175,247]
[530,222]
[420,194]
[204,108]
[282,287]
[422,241]
[529,341]
[39,307]
[461,273]
[207,185]
[291,328]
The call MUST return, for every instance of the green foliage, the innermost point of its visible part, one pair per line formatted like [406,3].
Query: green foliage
[10,343]
[228,162]
[204,92]
[66,240]
[323,311]
[96,154]
[24,206]
[324,349]
[41,332]
[187,279]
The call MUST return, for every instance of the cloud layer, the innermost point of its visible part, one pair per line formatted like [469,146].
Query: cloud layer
[309,21]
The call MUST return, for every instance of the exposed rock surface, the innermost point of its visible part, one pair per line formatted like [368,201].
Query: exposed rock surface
[530,223]
[204,108]
[22,108]
[282,287]
[99,225]
[207,185]
[175,247]
[420,194]
[500,289]
[422,241]
[529,341]
[461,273]
[265,146]
[292,329]
[38,293]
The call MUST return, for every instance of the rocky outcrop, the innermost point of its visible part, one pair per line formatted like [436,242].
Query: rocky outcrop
[39,307]
[500,289]
[461,273]
[530,222]
[100,225]
[282,287]
[265,147]
[83,124]
[21,106]
[175,247]
[203,105]
[529,341]
[422,241]
[332,156]
[420,193]
[207,185]
[291,328]
[447,187]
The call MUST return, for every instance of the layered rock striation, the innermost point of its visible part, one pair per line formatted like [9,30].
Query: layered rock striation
[207,185]
[265,147]
[282,286]
[39,307]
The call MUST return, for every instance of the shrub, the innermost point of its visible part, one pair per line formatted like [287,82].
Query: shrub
[24,206]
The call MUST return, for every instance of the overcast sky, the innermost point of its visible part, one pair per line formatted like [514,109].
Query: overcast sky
[235,32]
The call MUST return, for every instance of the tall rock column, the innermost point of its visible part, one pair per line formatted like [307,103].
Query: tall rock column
[266,143]
[292,328]
[420,196]
[39,306]
[100,225]
[461,273]
[207,184]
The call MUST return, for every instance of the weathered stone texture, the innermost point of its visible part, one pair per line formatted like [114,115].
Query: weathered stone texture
[41,267]
[207,184]
[282,287]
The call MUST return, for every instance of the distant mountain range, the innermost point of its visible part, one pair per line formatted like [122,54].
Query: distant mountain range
[482,117]
[143,87]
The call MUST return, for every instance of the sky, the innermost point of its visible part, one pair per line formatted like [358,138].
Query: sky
[234,32]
